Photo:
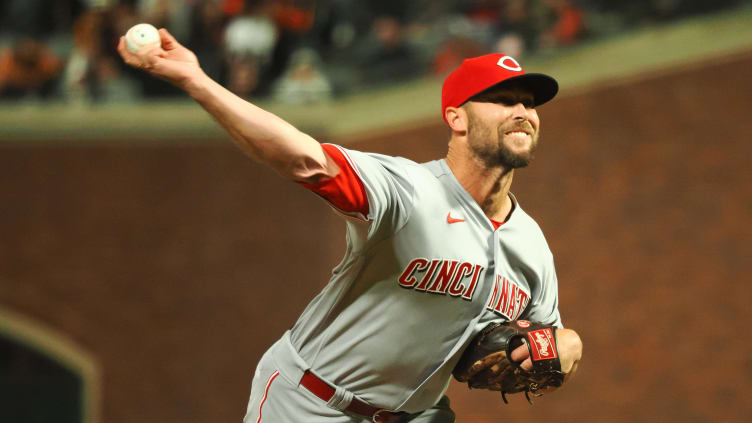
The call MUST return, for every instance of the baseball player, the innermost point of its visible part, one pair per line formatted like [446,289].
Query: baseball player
[435,251]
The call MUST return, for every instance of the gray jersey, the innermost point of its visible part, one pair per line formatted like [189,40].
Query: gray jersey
[423,272]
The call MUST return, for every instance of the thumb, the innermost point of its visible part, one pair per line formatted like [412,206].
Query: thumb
[168,41]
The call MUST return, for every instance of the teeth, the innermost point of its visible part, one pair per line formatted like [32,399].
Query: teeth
[517,133]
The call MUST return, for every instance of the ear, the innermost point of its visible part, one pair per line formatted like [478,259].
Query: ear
[456,117]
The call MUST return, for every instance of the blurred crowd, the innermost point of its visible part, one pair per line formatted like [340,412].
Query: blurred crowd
[294,51]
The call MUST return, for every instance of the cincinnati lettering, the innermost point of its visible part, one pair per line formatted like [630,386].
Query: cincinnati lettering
[507,298]
[441,276]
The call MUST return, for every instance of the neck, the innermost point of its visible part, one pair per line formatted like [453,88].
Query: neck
[489,187]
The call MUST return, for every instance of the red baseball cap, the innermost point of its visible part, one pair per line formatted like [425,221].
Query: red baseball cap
[478,74]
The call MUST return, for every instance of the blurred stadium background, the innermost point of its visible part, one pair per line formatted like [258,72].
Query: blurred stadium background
[145,264]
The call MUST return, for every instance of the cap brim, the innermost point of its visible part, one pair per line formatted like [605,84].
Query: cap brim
[543,87]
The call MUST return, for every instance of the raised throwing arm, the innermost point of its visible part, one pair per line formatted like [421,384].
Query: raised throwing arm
[263,136]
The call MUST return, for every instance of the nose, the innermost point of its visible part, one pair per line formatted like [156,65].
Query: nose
[519,111]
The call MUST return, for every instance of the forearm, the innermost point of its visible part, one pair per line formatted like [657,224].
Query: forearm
[262,135]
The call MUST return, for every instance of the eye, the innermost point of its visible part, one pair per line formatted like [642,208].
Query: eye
[507,101]
[528,102]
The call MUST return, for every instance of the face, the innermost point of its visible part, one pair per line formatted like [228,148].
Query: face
[503,127]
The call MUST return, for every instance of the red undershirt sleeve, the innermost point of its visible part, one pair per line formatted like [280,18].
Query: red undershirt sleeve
[345,191]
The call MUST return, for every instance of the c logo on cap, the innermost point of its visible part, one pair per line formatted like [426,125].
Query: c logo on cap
[516,68]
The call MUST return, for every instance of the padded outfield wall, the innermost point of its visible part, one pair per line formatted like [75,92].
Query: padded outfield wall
[173,266]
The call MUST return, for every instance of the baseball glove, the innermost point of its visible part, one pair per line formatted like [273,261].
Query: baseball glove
[485,364]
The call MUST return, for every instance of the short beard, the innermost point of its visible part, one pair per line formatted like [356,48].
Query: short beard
[500,156]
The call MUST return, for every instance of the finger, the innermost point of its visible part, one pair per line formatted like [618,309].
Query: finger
[121,47]
[520,353]
[527,365]
[128,57]
[168,41]
[145,59]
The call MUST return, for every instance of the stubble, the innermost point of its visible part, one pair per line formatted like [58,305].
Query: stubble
[490,147]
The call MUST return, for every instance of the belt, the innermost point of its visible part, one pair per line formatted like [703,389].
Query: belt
[324,391]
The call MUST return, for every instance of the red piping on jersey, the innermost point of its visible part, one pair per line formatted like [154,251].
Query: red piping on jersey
[345,191]
[266,392]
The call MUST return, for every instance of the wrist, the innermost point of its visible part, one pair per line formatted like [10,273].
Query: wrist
[196,84]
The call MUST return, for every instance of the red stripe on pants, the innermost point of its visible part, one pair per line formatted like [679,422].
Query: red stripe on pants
[266,392]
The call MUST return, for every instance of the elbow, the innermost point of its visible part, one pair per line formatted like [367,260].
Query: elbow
[309,170]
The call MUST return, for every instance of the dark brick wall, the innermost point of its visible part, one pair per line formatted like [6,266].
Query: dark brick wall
[177,265]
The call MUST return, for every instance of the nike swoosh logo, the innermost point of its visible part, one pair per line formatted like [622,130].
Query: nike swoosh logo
[450,219]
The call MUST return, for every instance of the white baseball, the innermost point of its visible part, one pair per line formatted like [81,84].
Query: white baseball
[142,35]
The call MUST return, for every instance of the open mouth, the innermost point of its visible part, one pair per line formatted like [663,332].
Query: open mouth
[517,132]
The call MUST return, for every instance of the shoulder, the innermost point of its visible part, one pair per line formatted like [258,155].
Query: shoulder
[364,157]
[397,166]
